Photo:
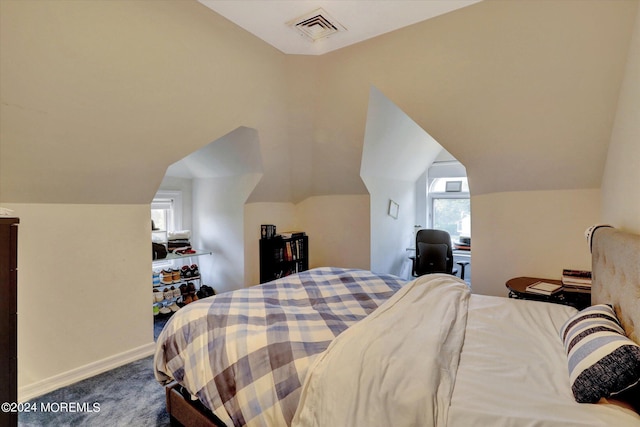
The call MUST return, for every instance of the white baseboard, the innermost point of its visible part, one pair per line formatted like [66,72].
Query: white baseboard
[64,379]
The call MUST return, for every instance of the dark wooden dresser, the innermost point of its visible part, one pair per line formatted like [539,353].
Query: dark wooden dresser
[8,317]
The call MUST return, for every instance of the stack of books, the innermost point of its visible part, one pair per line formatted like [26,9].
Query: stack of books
[576,280]
[544,288]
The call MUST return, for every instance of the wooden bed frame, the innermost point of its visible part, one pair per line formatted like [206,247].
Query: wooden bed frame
[185,412]
[616,281]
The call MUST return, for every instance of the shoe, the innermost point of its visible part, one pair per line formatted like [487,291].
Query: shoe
[157,296]
[175,275]
[168,293]
[165,310]
[184,291]
[207,291]
[174,307]
[156,310]
[166,277]
[191,288]
[194,270]
[176,292]
[156,278]
[185,272]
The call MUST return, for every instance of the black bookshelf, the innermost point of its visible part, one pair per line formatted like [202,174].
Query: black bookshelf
[280,256]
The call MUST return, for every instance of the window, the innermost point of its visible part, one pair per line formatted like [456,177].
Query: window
[166,211]
[162,215]
[450,207]
[166,214]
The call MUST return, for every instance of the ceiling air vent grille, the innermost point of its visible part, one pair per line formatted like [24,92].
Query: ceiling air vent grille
[316,25]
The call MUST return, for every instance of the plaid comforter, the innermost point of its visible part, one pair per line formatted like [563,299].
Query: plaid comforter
[245,353]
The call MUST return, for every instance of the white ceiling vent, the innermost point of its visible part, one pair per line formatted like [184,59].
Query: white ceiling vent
[316,25]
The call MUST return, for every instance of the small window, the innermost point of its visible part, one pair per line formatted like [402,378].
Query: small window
[450,206]
[166,214]
[443,185]
[162,215]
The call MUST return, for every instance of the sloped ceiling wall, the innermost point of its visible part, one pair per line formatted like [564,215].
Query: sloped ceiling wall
[234,154]
[394,147]
[99,97]
[522,93]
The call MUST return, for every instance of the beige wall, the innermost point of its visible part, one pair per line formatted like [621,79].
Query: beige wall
[338,229]
[100,97]
[621,180]
[529,233]
[524,101]
[337,226]
[84,295]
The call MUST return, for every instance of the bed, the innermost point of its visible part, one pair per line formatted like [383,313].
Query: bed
[362,349]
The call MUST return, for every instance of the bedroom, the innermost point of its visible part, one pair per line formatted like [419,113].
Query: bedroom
[89,125]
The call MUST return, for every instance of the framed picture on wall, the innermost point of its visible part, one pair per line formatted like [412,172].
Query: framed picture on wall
[393,209]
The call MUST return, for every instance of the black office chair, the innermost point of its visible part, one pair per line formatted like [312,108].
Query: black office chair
[434,254]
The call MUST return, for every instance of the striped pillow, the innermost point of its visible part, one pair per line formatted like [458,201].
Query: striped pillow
[602,360]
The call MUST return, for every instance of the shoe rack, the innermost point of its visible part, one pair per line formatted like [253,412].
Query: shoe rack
[177,283]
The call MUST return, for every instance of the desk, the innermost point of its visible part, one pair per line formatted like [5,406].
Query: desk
[518,289]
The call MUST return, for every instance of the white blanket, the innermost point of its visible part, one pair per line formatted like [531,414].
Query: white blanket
[363,378]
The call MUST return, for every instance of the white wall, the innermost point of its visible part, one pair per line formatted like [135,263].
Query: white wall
[219,178]
[532,233]
[184,186]
[218,204]
[395,155]
[390,237]
[421,201]
[84,291]
[621,180]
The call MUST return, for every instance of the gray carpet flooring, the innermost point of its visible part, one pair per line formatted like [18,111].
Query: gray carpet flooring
[126,396]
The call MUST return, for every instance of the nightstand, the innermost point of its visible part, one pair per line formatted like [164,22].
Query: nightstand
[518,289]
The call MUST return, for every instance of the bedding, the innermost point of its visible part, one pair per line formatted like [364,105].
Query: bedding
[399,364]
[499,363]
[244,354]
[423,353]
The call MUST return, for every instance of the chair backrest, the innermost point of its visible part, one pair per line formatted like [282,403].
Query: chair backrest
[433,252]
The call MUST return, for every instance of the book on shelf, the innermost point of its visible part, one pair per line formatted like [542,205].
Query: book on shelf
[267,231]
[543,288]
[576,277]
[577,289]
